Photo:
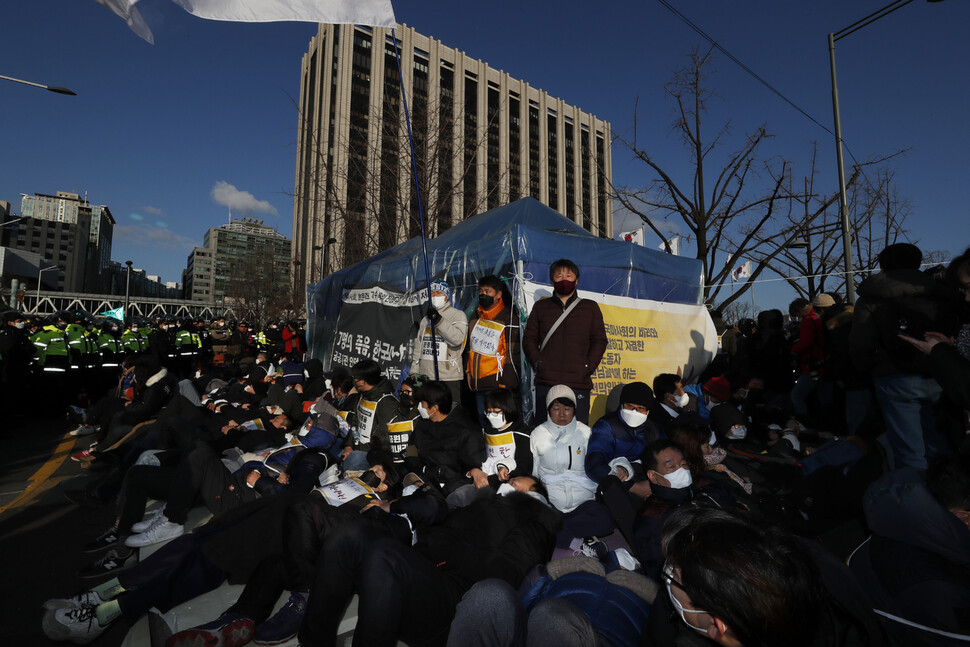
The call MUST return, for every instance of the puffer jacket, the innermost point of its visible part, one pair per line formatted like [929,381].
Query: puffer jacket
[559,461]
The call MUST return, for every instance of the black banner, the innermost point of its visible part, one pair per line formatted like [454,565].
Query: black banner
[377,323]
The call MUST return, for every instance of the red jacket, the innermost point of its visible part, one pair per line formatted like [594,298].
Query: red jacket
[810,345]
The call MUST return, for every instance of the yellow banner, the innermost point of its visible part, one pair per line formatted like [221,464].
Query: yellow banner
[646,341]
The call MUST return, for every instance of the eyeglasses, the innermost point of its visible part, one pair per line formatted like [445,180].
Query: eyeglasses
[667,575]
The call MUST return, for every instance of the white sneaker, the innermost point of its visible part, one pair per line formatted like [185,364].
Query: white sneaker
[83,430]
[87,597]
[78,624]
[152,519]
[156,534]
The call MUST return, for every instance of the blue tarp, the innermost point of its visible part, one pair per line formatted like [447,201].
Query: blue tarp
[518,240]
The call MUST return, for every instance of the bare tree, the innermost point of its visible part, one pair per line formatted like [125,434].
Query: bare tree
[259,289]
[731,209]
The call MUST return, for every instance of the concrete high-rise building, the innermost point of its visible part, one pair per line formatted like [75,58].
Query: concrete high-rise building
[241,260]
[482,139]
[84,270]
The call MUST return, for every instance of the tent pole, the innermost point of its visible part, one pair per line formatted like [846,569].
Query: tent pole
[417,189]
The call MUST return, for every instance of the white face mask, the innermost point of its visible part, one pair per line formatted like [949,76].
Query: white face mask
[328,384]
[679,478]
[683,400]
[423,412]
[681,611]
[497,420]
[20,325]
[633,418]
[712,440]
[504,489]
[737,432]
[439,302]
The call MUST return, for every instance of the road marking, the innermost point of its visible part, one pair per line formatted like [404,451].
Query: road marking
[46,471]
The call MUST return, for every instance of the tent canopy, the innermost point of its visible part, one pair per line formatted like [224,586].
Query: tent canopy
[521,239]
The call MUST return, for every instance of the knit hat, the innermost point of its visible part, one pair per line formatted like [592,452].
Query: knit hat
[560,391]
[637,393]
[823,301]
[292,373]
[719,388]
[440,286]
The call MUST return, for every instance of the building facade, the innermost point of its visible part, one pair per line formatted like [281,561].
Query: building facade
[242,260]
[83,260]
[481,139]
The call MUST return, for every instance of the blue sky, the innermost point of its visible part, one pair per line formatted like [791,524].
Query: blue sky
[167,135]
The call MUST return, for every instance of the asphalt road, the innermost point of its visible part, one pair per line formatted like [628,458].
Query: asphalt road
[41,531]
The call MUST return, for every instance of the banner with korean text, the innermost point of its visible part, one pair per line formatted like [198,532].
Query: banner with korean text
[377,322]
[645,338]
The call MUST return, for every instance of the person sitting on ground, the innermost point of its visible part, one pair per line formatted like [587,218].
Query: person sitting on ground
[376,407]
[669,484]
[671,399]
[446,444]
[401,425]
[739,583]
[410,594]
[559,447]
[507,450]
[231,546]
[622,434]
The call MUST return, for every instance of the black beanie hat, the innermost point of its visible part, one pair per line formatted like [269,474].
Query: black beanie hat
[637,393]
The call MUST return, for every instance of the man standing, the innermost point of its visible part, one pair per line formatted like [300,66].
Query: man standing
[493,345]
[450,330]
[15,353]
[564,340]
[902,300]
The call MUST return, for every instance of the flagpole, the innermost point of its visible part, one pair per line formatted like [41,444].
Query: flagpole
[417,190]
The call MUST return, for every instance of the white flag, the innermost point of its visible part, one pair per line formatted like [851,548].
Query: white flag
[635,237]
[674,246]
[743,271]
[125,9]
[377,13]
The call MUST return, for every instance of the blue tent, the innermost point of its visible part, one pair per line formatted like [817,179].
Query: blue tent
[517,240]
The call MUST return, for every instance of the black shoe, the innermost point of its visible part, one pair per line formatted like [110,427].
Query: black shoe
[85,498]
[114,561]
[108,539]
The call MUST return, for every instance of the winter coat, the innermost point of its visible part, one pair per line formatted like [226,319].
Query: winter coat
[500,537]
[158,391]
[612,438]
[446,451]
[574,351]
[375,409]
[952,371]
[921,294]
[559,461]
[493,349]
[810,347]
[449,335]
[916,564]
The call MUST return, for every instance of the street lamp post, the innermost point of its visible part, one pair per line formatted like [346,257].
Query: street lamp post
[50,88]
[41,270]
[127,290]
[843,200]
[326,256]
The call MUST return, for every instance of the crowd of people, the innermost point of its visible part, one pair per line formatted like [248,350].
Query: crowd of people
[717,511]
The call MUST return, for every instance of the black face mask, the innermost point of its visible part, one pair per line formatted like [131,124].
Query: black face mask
[486,301]
[370,479]
[407,401]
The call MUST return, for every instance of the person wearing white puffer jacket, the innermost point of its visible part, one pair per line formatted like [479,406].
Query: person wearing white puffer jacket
[559,459]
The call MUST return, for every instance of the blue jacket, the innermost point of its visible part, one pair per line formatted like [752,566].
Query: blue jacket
[612,438]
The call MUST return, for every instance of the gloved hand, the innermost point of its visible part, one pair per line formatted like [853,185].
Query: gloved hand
[433,315]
